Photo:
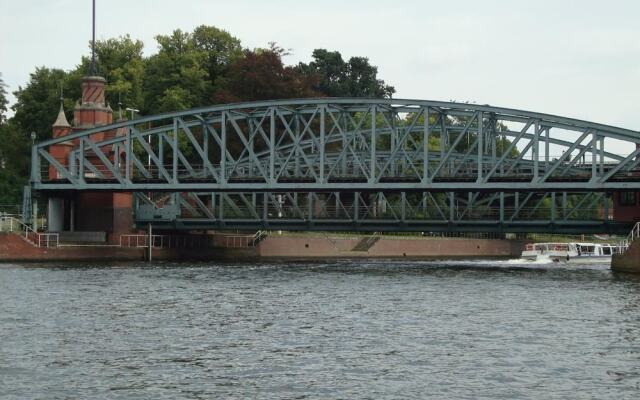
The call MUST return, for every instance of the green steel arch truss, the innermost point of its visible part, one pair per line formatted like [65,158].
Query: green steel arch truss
[354,164]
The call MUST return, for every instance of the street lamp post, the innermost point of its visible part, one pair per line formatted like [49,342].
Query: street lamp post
[134,110]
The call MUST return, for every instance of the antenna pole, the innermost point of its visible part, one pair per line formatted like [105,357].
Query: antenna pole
[93,41]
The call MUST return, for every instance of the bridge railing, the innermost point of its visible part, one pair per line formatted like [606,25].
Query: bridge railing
[393,212]
[192,241]
[249,169]
[9,223]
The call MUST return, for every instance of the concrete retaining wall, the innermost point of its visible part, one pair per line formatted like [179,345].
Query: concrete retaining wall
[303,246]
[15,248]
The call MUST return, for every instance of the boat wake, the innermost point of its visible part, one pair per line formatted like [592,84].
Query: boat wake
[540,260]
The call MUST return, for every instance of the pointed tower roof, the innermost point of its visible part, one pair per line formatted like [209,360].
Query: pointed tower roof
[61,121]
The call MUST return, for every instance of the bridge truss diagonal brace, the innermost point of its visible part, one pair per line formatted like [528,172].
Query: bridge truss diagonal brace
[455,144]
[106,162]
[204,157]
[58,167]
[135,134]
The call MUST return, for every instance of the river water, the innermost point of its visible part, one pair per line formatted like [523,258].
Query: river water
[340,330]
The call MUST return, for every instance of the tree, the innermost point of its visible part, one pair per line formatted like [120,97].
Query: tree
[337,78]
[37,104]
[177,68]
[261,75]
[14,163]
[218,50]
[3,100]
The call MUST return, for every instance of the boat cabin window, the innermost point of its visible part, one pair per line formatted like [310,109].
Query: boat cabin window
[586,249]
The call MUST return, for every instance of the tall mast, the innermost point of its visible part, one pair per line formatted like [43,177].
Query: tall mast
[93,71]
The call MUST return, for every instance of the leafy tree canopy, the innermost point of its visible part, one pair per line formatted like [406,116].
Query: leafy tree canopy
[38,103]
[261,75]
[339,78]
[3,100]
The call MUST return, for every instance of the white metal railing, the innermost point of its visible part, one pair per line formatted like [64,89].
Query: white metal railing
[633,235]
[9,223]
[257,238]
[190,241]
[164,241]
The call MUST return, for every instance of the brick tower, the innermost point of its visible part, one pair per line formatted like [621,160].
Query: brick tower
[89,211]
[99,211]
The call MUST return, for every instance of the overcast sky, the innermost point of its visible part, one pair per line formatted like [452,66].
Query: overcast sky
[573,58]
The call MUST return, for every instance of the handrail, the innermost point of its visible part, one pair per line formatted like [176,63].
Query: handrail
[633,235]
[37,239]
[258,237]
[164,241]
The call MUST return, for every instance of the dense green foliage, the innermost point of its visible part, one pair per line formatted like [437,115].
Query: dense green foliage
[13,147]
[337,78]
[3,100]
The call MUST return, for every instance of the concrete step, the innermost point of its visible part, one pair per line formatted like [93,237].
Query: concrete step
[77,237]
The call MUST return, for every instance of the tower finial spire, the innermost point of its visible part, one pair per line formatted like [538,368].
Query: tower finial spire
[93,71]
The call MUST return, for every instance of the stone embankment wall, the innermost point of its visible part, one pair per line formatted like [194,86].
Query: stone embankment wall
[15,248]
[629,261]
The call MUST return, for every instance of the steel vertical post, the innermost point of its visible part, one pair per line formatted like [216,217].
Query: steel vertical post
[546,148]
[149,243]
[175,150]
[127,158]
[272,146]
[372,167]
[425,149]
[601,155]
[356,206]
[451,206]
[223,147]
[265,207]
[594,156]
[480,135]
[160,156]
[322,142]
[35,165]
[535,151]
[205,149]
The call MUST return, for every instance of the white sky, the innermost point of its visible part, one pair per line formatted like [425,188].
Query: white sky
[573,58]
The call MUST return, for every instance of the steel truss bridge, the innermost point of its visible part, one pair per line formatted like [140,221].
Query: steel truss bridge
[353,164]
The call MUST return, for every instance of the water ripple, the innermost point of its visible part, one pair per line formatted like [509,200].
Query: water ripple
[341,329]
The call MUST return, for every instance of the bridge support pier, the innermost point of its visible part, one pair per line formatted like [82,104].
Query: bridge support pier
[55,214]
[629,261]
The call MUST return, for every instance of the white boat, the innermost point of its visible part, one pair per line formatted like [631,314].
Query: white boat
[570,252]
